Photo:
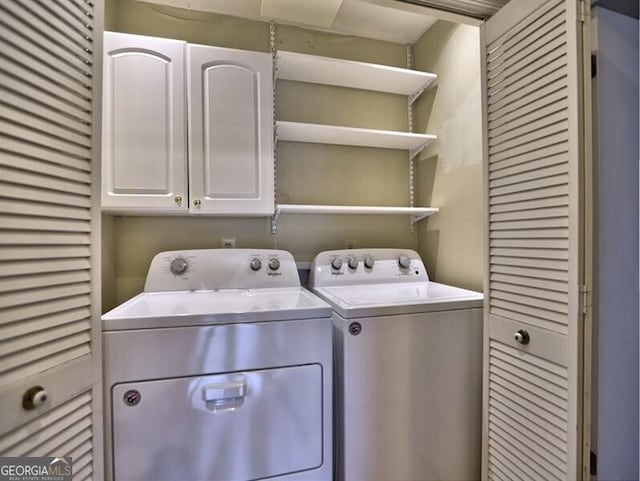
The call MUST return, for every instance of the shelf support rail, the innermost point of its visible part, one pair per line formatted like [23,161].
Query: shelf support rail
[410,100]
[274,220]
[274,68]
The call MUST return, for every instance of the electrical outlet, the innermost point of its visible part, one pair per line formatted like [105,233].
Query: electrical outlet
[350,244]
[228,242]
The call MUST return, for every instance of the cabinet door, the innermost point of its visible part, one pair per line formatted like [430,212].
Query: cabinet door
[230,103]
[532,73]
[144,158]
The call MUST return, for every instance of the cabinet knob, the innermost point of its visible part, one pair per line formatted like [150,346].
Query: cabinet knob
[34,397]
[178,199]
[197,202]
[521,336]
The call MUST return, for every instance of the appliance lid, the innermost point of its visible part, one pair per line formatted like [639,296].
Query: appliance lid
[397,298]
[202,307]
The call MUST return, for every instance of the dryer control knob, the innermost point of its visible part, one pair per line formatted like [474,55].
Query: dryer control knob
[274,264]
[336,263]
[404,261]
[353,263]
[179,266]
[255,264]
[368,262]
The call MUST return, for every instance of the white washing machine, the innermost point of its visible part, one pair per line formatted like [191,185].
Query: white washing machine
[221,370]
[408,368]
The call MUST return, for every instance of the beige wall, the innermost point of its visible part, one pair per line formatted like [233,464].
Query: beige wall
[449,172]
[306,173]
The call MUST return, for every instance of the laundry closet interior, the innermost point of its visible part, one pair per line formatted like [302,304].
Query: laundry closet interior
[447,173]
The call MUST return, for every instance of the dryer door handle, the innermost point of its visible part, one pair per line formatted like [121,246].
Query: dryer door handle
[224,395]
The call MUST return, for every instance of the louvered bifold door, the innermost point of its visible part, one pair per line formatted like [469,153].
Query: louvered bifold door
[50,57]
[532,77]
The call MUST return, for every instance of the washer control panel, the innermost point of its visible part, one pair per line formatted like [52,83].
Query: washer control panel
[207,269]
[366,266]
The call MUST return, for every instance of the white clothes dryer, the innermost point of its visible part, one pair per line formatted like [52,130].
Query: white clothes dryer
[221,370]
[408,368]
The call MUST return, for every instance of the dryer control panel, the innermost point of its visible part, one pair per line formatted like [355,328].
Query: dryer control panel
[366,266]
[207,269]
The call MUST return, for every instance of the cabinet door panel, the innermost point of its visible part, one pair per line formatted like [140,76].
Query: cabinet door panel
[144,155]
[230,131]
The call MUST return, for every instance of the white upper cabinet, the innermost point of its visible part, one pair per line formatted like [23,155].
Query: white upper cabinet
[230,103]
[229,100]
[144,156]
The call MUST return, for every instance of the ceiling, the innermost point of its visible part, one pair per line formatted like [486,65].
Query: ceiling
[389,20]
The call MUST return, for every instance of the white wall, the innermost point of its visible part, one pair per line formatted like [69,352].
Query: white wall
[449,171]
[616,245]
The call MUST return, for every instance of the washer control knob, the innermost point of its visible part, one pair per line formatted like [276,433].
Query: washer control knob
[404,261]
[353,263]
[336,263]
[274,264]
[255,264]
[368,262]
[179,266]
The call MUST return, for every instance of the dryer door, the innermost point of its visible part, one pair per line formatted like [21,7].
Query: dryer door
[232,427]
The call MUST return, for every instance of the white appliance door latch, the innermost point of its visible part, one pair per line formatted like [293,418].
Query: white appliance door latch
[224,396]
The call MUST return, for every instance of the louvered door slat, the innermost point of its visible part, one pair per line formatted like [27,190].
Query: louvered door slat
[43,210]
[77,436]
[543,46]
[537,115]
[517,38]
[43,124]
[31,296]
[48,29]
[29,179]
[77,27]
[28,38]
[508,174]
[21,191]
[52,238]
[537,444]
[546,431]
[42,224]
[49,221]
[34,325]
[531,76]
[43,308]
[32,252]
[23,147]
[504,118]
[18,283]
[42,138]
[74,83]
[527,451]
[556,212]
[18,100]
[11,160]
[542,61]
[27,84]
[516,134]
[44,337]
[528,290]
